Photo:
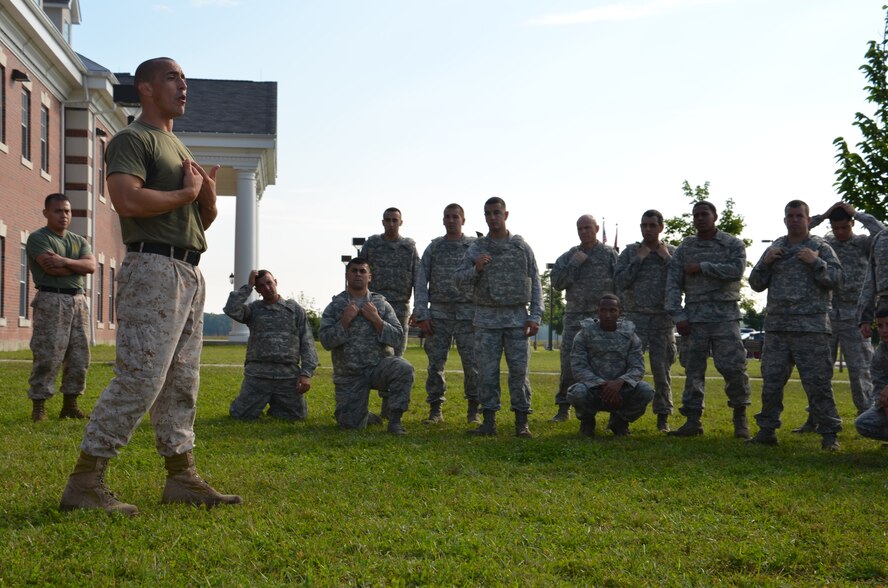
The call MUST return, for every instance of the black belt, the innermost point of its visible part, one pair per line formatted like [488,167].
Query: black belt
[186,255]
[68,291]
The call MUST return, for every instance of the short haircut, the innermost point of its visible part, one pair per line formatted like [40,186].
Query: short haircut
[609,296]
[655,213]
[262,273]
[392,209]
[796,204]
[357,261]
[147,70]
[882,311]
[705,203]
[495,200]
[839,214]
[455,206]
[55,197]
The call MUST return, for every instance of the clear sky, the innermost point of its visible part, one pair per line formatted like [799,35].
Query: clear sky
[560,107]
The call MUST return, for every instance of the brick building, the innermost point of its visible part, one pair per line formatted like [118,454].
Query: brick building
[58,109]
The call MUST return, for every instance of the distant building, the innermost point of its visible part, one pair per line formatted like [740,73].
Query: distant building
[58,109]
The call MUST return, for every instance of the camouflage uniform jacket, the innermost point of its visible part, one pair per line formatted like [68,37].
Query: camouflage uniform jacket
[359,348]
[642,282]
[712,295]
[798,293]
[879,369]
[854,254]
[393,264]
[585,282]
[503,290]
[280,344]
[598,355]
[435,294]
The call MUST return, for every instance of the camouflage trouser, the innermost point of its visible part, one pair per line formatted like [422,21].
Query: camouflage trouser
[437,348]
[571,328]
[873,424]
[657,337]
[402,310]
[392,376]
[810,353]
[586,400]
[281,396]
[159,338]
[490,344]
[858,354]
[59,340]
[729,357]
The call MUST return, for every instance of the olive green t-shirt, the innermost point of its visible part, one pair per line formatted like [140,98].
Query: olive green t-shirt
[70,245]
[155,156]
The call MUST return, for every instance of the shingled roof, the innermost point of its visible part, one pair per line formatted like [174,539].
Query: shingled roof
[219,106]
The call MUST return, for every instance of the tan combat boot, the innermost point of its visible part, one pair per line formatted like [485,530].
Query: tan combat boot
[183,485]
[38,412]
[70,410]
[86,488]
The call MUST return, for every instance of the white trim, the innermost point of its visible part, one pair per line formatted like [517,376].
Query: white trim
[24,323]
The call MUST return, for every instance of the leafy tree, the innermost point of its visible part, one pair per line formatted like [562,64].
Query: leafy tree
[311,313]
[679,227]
[553,304]
[751,317]
[862,178]
[216,325]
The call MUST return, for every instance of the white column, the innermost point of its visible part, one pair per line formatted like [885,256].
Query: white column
[245,225]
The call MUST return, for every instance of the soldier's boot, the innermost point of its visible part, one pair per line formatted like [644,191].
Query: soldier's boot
[663,423]
[829,442]
[38,411]
[764,437]
[562,415]
[807,426]
[741,425]
[587,426]
[70,410]
[473,415]
[618,425]
[86,488]
[691,428]
[435,415]
[488,427]
[184,486]
[384,408]
[395,427]
[521,428]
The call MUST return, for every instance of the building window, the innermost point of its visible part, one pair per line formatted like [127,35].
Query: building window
[111,295]
[100,292]
[100,168]
[44,139]
[2,104]
[26,124]
[23,283]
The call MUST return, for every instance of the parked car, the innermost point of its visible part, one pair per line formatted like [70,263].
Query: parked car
[753,343]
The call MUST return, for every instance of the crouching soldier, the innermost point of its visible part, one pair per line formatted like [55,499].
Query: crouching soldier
[608,364]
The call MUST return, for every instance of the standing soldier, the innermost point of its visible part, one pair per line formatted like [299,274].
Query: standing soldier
[502,269]
[58,260]
[707,268]
[799,271]
[165,201]
[281,355]
[444,313]
[585,272]
[393,261]
[853,252]
[641,277]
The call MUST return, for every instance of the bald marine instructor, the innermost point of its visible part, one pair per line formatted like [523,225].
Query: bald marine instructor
[165,202]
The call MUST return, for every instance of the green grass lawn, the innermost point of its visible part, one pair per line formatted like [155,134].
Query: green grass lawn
[326,507]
